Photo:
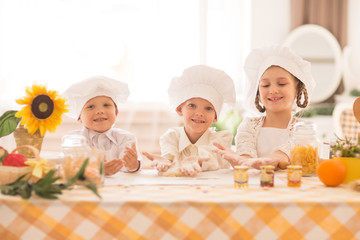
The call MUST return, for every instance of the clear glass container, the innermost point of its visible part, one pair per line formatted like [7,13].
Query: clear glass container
[76,151]
[294,175]
[305,147]
[241,177]
[267,176]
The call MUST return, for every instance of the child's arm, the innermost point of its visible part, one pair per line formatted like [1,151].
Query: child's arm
[130,158]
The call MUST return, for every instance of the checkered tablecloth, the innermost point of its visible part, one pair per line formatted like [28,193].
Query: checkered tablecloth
[349,125]
[145,206]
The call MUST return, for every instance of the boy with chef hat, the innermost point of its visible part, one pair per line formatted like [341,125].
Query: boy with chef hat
[198,97]
[280,83]
[94,103]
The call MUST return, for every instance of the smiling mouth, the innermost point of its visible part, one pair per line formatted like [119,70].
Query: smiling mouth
[275,99]
[100,119]
[197,121]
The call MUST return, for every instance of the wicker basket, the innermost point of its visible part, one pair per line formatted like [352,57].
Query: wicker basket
[22,137]
[9,174]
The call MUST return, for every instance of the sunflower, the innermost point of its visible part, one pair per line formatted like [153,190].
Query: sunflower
[43,110]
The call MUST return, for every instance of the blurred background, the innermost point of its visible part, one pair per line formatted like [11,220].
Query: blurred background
[147,42]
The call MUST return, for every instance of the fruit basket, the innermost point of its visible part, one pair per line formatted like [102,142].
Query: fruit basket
[9,174]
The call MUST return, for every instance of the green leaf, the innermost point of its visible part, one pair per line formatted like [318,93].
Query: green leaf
[92,186]
[78,175]
[8,123]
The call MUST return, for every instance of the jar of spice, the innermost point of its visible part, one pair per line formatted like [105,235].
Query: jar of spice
[305,148]
[294,176]
[241,177]
[267,176]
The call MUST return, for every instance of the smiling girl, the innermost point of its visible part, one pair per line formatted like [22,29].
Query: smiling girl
[279,84]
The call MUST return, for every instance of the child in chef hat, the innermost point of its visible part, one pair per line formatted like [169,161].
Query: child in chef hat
[279,84]
[93,102]
[198,97]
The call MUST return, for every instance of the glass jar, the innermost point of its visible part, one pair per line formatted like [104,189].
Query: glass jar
[241,177]
[76,151]
[267,176]
[305,148]
[294,176]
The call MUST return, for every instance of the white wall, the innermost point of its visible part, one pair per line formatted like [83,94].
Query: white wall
[354,34]
[270,22]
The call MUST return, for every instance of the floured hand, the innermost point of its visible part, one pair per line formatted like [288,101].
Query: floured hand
[158,162]
[190,166]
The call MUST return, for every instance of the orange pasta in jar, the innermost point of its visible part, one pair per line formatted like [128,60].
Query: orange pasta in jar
[305,148]
[307,157]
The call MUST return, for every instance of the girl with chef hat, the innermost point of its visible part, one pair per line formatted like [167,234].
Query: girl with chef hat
[93,102]
[198,97]
[279,84]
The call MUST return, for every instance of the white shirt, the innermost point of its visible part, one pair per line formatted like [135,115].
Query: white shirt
[111,142]
[175,146]
[248,139]
[269,139]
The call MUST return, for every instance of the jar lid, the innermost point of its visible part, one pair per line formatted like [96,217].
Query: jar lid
[294,167]
[305,127]
[267,167]
[241,168]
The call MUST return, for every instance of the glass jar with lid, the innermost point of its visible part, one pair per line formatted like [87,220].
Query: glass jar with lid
[305,147]
[267,176]
[241,177]
[76,151]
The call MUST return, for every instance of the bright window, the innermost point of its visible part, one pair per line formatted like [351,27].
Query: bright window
[142,42]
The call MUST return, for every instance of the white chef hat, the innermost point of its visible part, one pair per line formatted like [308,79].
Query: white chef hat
[79,93]
[204,82]
[261,59]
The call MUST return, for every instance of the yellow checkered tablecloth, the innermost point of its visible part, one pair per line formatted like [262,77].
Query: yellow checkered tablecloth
[145,206]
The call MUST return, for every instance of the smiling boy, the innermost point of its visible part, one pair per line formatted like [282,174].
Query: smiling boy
[198,96]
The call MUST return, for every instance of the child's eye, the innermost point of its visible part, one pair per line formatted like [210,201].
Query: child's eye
[282,84]
[107,105]
[191,105]
[265,85]
[209,108]
[90,106]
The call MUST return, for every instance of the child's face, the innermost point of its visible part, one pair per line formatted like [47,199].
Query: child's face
[99,114]
[198,115]
[277,90]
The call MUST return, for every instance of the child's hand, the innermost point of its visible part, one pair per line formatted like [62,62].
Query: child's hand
[160,163]
[229,155]
[113,166]
[257,162]
[130,158]
[190,166]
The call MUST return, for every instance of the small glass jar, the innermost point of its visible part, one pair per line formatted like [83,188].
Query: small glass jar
[267,176]
[305,147]
[294,176]
[241,177]
[76,151]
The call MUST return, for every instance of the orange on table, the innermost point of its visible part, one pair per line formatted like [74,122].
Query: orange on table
[331,172]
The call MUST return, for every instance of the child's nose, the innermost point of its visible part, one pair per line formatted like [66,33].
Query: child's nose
[99,111]
[274,89]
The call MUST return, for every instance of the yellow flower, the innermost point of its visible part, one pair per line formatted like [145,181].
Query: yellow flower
[40,167]
[43,110]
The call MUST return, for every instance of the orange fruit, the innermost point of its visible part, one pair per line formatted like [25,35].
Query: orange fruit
[331,172]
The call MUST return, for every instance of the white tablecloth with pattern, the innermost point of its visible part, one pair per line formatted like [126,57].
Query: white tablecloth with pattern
[146,206]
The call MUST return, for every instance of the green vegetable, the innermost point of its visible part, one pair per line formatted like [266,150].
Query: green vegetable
[47,186]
